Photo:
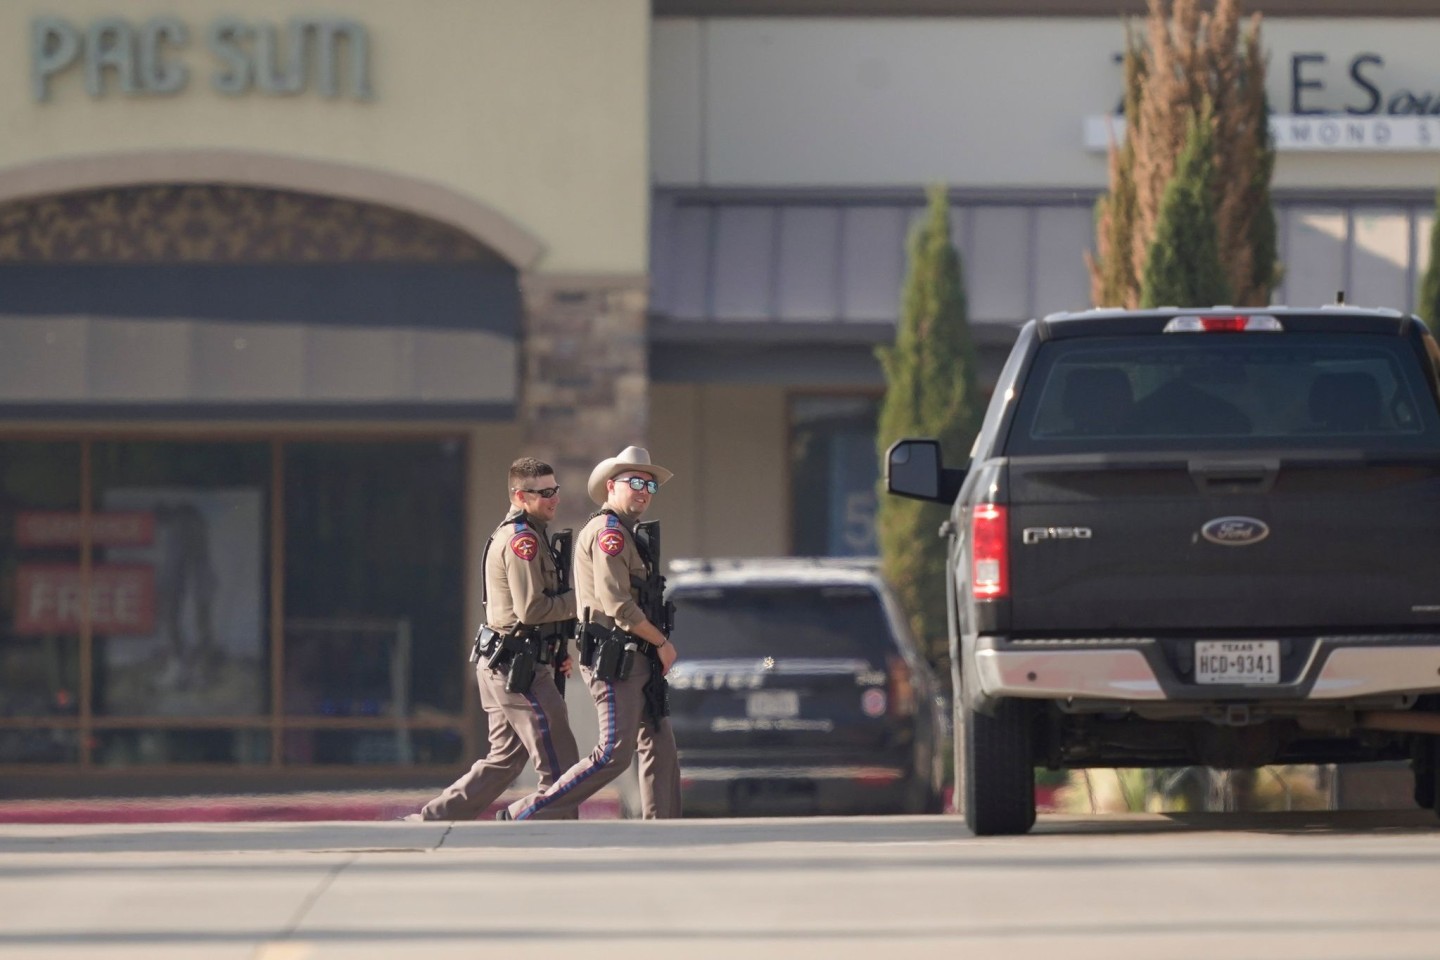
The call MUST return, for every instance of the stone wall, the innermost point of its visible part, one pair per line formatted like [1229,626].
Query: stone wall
[585,377]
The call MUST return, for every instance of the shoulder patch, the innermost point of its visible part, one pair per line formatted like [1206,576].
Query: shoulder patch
[611,520]
[611,541]
[524,545]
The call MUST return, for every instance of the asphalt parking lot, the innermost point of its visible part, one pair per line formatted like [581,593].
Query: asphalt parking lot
[1312,885]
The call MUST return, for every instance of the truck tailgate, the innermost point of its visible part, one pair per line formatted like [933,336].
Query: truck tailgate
[1110,543]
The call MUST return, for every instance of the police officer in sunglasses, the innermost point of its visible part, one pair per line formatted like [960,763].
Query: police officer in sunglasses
[523,604]
[611,562]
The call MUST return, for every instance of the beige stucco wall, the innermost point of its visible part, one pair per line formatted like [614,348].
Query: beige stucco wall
[535,109]
[727,445]
[978,102]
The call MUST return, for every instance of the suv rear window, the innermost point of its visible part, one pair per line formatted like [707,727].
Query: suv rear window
[806,621]
[1224,391]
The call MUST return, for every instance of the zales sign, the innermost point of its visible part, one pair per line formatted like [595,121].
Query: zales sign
[327,54]
[1321,134]
[1366,112]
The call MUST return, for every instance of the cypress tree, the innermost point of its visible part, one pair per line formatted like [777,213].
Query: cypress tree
[1189,59]
[1429,306]
[1183,268]
[1257,231]
[1112,269]
[931,391]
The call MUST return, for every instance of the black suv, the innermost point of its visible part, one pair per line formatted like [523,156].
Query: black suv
[800,691]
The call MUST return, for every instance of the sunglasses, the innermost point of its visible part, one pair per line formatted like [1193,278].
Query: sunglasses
[639,483]
[544,493]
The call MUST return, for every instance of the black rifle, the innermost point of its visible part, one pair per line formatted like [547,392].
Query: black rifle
[650,590]
[650,595]
[562,548]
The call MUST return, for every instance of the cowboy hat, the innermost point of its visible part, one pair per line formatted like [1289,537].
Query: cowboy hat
[631,458]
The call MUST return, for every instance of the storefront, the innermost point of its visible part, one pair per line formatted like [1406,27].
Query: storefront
[790,144]
[236,613]
[282,293]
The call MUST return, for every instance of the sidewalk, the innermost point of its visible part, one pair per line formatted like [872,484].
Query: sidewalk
[328,805]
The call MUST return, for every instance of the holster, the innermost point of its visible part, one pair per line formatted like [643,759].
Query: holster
[587,640]
[615,659]
[484,646]
[516,654]
[614,655]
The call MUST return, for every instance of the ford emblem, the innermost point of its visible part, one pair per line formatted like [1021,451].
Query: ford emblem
[1235,531]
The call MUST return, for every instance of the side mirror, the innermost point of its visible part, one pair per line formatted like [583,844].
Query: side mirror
[913,468]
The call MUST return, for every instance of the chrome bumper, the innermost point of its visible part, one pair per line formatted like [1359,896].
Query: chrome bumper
[1348,672]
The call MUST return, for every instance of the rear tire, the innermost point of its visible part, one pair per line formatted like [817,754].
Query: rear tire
[1428,788]
[1423,767]
[999,797]
[1435,786]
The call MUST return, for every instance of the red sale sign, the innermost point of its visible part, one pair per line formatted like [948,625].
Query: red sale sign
[49,599]
[61,528]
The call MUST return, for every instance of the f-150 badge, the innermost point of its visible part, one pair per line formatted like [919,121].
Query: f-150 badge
[1235,531]
[1037,534]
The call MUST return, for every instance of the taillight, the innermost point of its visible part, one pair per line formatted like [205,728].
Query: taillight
[901,688]
[989,550]
[1253,323]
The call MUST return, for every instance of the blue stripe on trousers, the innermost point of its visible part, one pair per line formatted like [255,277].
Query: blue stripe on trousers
[558,790]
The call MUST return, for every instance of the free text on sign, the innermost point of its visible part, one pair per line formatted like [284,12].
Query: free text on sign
[49,598]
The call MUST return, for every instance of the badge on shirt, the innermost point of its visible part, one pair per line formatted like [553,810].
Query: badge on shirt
[525,545]
[611,541]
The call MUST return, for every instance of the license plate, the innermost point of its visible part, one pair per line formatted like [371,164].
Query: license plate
[1237,661]
[772,704]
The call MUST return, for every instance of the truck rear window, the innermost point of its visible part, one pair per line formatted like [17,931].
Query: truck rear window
[791,621]
[1224,391]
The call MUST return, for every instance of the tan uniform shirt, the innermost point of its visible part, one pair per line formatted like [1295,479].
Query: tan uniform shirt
[519,568]
[605,559]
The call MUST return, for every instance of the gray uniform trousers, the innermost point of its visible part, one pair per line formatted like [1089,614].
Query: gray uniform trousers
[625,729]
[521,726]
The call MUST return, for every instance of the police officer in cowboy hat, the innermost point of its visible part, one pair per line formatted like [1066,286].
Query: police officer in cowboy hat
[522,594]
[609,560]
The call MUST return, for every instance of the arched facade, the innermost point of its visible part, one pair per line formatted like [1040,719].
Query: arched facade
[266,352]
[265,171]
[183,268]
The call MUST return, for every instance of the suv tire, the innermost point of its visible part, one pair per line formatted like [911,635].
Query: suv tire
[1427,775]
[999,773]
[1423,767]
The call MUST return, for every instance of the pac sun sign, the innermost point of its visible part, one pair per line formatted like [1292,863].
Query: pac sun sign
[327,54]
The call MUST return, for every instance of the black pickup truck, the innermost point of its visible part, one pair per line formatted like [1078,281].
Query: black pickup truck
[1205,537]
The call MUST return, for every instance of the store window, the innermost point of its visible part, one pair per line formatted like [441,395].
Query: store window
[181,572]
[1380,257]
[180,597]
[216,620]
[834,470]
[39,601]
[374,603]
